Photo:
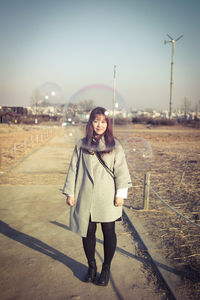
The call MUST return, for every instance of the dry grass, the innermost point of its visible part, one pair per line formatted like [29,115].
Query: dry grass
[175,175]
[25,138]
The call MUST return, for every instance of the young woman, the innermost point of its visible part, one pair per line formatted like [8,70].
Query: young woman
[95,186]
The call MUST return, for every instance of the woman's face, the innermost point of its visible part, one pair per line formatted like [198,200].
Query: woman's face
[99,124]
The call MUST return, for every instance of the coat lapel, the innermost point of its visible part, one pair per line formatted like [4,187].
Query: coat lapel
[87,159]
[88,165]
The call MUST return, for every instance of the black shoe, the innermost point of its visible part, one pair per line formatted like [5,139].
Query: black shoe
[92,271]
[105,275]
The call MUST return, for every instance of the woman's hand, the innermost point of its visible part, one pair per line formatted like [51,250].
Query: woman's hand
[70,200]
[119,201]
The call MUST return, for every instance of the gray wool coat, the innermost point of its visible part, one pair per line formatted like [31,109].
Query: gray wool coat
[94,188]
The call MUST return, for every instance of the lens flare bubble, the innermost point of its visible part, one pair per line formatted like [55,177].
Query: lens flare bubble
[72,134]
[138,154]
[79,106]
[51,93]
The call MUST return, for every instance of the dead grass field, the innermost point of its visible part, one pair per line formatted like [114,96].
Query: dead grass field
[25,138]
[175,176]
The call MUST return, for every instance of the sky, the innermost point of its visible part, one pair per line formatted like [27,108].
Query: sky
[74,44]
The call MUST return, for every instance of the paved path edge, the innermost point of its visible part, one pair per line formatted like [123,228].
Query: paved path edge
[18,162]
[166,271]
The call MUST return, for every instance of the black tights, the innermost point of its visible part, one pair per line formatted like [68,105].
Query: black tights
[110,241]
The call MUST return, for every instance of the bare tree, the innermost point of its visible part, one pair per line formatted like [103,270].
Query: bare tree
[186,106]
[71,110]
[197,108]
[86,105]
[35,98]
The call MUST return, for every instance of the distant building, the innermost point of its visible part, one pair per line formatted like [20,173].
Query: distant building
[9,117]
[16,109]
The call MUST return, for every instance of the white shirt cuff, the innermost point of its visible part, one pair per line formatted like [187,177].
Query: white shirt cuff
[122,193]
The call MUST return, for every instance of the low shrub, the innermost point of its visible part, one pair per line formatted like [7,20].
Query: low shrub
[154,122]
[161,122]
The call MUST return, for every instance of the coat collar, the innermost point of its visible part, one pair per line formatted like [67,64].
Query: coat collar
[101,144]
[87,157]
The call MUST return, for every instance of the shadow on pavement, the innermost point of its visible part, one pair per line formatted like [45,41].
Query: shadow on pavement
[145,260]
[115,288]
[76,267]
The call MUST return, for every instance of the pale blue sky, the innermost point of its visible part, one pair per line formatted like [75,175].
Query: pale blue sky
[76,43]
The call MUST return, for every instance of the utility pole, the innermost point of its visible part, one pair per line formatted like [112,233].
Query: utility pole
[114,91]
[172,70]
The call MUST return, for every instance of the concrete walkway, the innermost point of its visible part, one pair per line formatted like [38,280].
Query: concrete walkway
[40,257]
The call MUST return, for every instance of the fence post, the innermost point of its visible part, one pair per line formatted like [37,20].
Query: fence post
[37,139]
[146,191]
[0,157]
[24,146]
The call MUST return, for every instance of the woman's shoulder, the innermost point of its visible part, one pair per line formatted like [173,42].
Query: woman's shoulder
[118,144]
[80,143]
[118,149]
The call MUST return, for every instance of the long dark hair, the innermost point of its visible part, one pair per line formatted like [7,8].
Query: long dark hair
[91,141]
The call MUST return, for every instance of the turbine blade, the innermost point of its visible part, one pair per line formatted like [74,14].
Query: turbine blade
[179,38]
[170,37]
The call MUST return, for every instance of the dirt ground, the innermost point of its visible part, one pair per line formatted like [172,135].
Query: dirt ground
[175,176]
[18,140]
[41,258]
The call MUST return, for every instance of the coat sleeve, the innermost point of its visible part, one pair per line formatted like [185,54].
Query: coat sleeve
[121,172]
[69,184]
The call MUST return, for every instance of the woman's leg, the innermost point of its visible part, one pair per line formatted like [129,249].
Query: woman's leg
[110,242]
[89,244]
